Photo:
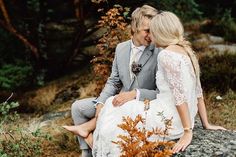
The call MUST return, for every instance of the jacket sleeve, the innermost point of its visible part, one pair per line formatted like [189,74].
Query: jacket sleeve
[113,84]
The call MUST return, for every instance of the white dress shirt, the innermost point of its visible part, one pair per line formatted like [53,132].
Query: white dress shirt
[135,54]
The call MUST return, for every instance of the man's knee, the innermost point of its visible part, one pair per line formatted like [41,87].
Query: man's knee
[76,108]
[83,107]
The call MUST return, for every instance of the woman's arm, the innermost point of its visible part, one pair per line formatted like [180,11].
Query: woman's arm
[202,112]
[186,139]
[172,68]
[183,111]
[203,116]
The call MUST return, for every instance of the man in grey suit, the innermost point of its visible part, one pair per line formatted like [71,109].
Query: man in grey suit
[132,77]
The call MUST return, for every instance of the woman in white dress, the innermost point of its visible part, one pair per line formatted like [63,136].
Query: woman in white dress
[180,94]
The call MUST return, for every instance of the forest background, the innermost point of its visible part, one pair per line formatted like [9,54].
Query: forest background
[55,51]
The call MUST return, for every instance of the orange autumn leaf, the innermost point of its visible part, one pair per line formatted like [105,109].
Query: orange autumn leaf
[136,140]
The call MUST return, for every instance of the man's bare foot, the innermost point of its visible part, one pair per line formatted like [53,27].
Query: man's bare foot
[77,130]
[89,140]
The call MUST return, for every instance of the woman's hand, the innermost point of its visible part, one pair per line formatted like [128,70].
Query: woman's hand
[214,127]
[183,142]
[98,109]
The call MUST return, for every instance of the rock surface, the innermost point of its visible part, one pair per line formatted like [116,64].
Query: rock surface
[209,143]
[221,49]
[216,39]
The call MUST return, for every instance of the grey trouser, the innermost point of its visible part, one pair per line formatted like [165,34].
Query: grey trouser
[82,111]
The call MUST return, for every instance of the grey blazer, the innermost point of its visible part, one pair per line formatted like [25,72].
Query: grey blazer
[120,80]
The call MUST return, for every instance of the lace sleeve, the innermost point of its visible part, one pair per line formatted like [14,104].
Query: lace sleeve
[172,70]
[199,89]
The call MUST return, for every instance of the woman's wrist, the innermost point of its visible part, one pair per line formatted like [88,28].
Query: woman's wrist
[188,129]
[206,125]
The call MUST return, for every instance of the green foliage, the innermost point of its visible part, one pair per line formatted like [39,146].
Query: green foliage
[14,140]
[15,69]
[25,145]
[186,9]
[33,5]
[14,76]
[4,111]
[216,8]
[218,73]
[222,17]
[228,25]
[224,26]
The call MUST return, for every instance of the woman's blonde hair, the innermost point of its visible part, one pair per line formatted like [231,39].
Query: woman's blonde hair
[139,14]
[166,29]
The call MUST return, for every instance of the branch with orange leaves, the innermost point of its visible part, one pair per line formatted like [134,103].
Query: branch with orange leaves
[136,141]
[8,26]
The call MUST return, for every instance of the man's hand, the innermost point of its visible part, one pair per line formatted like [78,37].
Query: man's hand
[123,97]
[98,109]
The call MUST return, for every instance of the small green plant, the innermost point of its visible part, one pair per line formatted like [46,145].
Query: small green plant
[14,76]
[15,140]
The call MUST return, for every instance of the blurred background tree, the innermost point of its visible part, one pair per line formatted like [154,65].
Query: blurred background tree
[44,40]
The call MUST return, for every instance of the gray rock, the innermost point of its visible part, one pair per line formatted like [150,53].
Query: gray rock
[48,119]
[205,40]
[207,143]
[216,39]
[202,40]
[201,43]
[90,50]
[221,49]
[90,22]
[95,35]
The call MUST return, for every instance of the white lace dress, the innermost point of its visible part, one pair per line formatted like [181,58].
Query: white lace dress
[177,84]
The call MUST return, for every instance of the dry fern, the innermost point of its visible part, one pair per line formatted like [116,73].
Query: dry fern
[137,144]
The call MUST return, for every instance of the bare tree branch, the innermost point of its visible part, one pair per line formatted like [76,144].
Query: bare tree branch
[8,26]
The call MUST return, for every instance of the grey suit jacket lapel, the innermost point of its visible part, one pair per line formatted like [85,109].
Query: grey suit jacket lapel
[147,53]
[126,60]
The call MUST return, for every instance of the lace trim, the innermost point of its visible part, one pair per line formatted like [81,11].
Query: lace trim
[172,69]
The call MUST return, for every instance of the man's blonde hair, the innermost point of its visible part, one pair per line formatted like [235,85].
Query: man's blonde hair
[139,14]
[166,29]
